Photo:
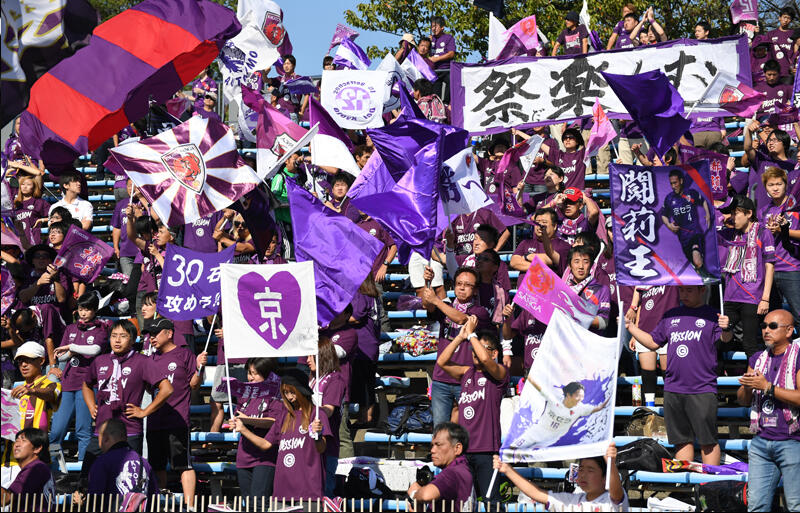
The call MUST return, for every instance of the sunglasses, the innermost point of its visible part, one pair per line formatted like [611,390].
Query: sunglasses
[237,223]
[773,325]
[569,137]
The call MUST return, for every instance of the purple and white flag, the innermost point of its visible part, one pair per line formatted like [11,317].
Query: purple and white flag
[796,88]
[742,10]
[301,85]
[460,188]
[350,55]
[9,290]
[188,172]
[82,255]
[269,310]
[663,225]
[354,98]
[10,416]
[248,52]
[270,387]
[330,146]
[717,168]
[341,33]
[542,292]
[189,286]
[415,66]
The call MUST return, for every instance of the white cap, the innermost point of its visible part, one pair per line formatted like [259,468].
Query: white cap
[30,349]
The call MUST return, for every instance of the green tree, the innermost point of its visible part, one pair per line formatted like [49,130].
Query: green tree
[470,25]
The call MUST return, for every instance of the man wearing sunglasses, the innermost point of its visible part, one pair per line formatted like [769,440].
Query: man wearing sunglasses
[770,387]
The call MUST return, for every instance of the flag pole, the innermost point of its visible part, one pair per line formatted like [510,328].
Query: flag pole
[491,485]
[208,339]
[228,381]
[721,302]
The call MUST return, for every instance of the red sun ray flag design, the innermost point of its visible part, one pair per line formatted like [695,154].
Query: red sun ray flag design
[148,51]
[188,172]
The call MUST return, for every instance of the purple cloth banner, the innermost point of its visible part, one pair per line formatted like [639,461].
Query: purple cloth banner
[717,168]
[742,10]
[542,291]
[11,417]
[341,33]
[190,283]
[270,387]
[9,290]
[82,255]
[301,85]
[664,234]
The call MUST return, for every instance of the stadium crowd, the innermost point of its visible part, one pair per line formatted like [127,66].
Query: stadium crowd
[119,376]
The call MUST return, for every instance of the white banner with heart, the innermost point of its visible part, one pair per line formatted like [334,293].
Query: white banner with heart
[269,310]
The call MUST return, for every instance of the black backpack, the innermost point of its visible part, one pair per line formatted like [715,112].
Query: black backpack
[411,413]
[642,454]
[721,496]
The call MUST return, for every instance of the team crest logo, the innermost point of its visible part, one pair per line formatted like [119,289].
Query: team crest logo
[272,27]
[730,94]
[185,163]
[539,280]
[469,159]
[283,143]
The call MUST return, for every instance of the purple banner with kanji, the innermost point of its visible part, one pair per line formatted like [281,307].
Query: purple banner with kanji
[664,230]
[190,283]
[717,168]
[82,255]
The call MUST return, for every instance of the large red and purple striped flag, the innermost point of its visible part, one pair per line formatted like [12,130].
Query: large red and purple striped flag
[188,172]
[148,51]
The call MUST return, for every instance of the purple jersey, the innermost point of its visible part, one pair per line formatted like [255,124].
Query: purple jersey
[691,335]
[479,408]
[739,286]
[178,366]
[127,248]
[572,40]
[77,369]
[784,259]
[465,225]
[198,235]
[347,339]
[374,228]
[776,95]
[781,41]
[331,387]
[534,245]
[683,210]
[247,454]
[623,36]
[440,45]
[35,478]
[573,164]
[448,331]
[532,331]
[454,482]
[771,420]
[28,212]
[120,471]
[368,328]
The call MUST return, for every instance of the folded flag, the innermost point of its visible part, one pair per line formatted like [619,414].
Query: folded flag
[350,55]
[602,131]
[654,103]
[301,85]
[725,91]
[341,33]
[82,255]
[416,66]
[150,50]
[512,48]
[188,172]
[277,136]
[328,238]
[331,146]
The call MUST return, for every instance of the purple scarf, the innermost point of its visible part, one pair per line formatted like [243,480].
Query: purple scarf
[743,255]
[784,379]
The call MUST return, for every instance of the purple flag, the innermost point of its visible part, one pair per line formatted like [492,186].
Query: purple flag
[270,387]
[408,106]
[301,85]
[189,286]
[188,172]
[421,65]
[742,10]
[9,293]
[542,291]
[796,88]
[654,103]
[255,208]
[512,48]
[717,167]
[350,56]
[329,239]
[82,255]
[341,33]
[331,146]
[661,231]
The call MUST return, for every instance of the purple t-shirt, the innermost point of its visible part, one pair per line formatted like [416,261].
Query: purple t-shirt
[465,225]
[598,293]
[178,366]
[122,470]
[127,248]
[207,84]
[365,311]
[572,40]
[755,186]
[772,421]
[331,387]
[534,245]
[247,454]
[479,409]
[347,209]
[691,335]
[346,338]
[736,288]
[440,45]
[448,331]
[653,303]
[683,210]
[536,174]
[775,96]
[573,165]
[784,260]
[623,36]
[710,124]
[299,469]
[136,373]
[781,41]
[487,169]
[208,114]
[29,211]
[454,482]
[34,478]
[198,234]
[374,228]
[77,369]
[532,331]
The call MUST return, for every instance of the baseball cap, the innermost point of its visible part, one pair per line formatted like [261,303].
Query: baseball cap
[739,201]
[572,16]
[154,326]
[573,194]
[30,349]
[297,379]
[212,95]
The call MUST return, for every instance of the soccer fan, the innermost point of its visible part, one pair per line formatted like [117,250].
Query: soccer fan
[30,209]
[782,41]
[690,333]
[574,38]
[623,29]
[580,278]
[702,30]
[573,220]
[80,209]
[546,245]
[483,385]
[34,477]
[571,159]
[454,483]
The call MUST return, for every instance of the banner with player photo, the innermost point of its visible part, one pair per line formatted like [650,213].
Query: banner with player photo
[527,91]
[566,409]
[664,231]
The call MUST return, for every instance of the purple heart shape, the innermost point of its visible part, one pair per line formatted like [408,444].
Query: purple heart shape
[270,306]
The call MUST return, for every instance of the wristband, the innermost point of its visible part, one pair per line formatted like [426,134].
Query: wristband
[386,263]
[634,308]
[469,337]
[506,345]
[413,494]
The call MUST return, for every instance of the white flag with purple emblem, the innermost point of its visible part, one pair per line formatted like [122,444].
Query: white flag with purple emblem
[188,172]
[355,98]
[269,310]
[460,186]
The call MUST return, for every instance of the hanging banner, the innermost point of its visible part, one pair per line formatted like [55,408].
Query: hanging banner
[528,91]
[189,286]
[566,409]
[664,231]
[717,168]
[269,310]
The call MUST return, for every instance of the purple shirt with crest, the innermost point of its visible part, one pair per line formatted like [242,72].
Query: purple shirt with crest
[247,454]
[736,289]
[122,470]
[440,45]
[454,482]
[332,387]
[34,478]
[198,234]
[465,225]
[479,408]
[532,331]
[77,369]
[448,331]
[29,211]
[178,366]
[771,419]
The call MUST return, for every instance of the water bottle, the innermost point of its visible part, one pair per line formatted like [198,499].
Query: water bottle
[636,392]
